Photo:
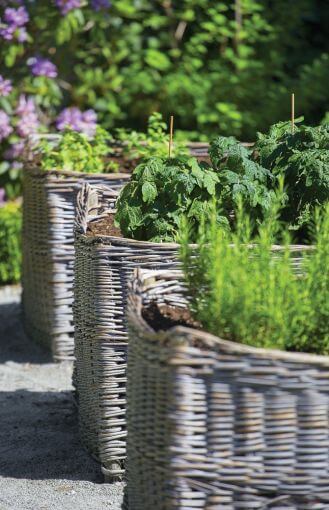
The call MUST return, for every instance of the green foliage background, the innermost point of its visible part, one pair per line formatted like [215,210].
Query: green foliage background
[10,243]
[223,67]
[194,58]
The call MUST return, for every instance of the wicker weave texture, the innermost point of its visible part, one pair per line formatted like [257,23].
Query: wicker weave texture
[218,425]
[48,253]
[103,268]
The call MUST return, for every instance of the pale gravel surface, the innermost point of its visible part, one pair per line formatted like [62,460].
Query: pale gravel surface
[42,463]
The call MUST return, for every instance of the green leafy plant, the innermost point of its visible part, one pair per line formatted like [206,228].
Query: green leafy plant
[241,178]
[10,242]
[76,152]
[155,142]
[302,157]
[223,67]
[243,291]
[160,193]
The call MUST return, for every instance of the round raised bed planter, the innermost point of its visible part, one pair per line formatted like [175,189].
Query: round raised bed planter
[103,268]
[216,424]
[48,252]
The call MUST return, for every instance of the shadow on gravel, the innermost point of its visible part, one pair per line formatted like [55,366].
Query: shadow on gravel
[14,343]
[39,438]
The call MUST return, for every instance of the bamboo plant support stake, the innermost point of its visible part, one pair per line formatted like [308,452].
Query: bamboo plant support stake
[171,132]
[292,113]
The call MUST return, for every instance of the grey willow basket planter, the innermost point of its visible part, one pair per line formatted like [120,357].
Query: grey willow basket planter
[48,252]
[214,424]
[103,267]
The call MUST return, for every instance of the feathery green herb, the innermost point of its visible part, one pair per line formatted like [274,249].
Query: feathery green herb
[240,290]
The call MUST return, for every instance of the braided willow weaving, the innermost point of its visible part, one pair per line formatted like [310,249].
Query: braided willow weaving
[104,265]
[48,252]
[214,424]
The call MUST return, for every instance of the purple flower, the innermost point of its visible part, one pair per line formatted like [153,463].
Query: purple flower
[66,6]
[17,165]
[5,127]
[22,34]
[73,118]
[25,105]
[16,17]
[69,118]
[5,86]
[28,122]
[13,24]
[88,122]
[7,32]
[98,5]
[15,150]
[2,196]
[43,67]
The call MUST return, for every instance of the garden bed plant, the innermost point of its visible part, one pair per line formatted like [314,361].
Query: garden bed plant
[240,292]
[163,190]
[51,182]
[233,355]
[10,242]
[76,152]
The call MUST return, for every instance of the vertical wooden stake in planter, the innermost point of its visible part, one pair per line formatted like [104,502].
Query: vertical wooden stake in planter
[171,132]
[292,113]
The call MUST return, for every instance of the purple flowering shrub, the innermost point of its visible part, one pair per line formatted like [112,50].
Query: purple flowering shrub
[36,95]
[73,118]
[43,67]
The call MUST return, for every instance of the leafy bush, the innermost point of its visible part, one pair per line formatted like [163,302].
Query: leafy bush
[241,292]
[76,152]
[10,243]
[241,178]
[218,66]
[155,142]
[161,192]
[303,158]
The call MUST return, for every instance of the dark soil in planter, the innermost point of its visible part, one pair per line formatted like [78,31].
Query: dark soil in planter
[125,165]
[103,227]
[165,316]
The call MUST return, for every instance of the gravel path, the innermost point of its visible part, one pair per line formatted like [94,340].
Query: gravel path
[42,464]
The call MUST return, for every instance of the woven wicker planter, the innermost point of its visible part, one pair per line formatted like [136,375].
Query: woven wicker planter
[103,267]
[218,425]
[48,252]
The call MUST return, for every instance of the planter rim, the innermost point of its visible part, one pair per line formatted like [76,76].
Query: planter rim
[89,193]
[143,280]
[135,242]
[37,171]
